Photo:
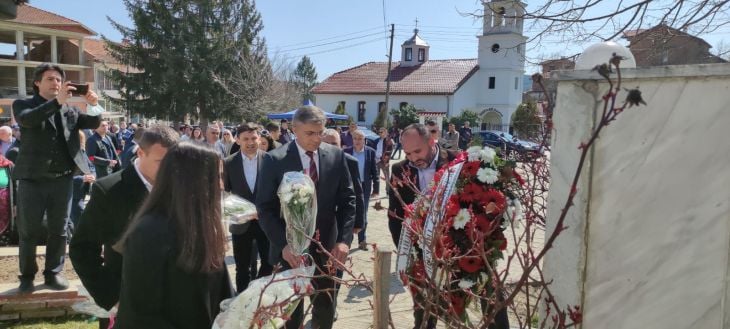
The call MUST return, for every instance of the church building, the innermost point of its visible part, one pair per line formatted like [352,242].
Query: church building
[490,85]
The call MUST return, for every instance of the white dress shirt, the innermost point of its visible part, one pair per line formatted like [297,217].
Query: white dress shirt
[425,175]
[250,169]
[141,177]
[305,159]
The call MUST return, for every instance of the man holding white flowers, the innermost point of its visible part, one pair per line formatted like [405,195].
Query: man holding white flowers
[240,173]
[326,166]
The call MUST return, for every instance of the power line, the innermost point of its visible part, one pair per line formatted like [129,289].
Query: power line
[334,42]
[329,38]
[336,49]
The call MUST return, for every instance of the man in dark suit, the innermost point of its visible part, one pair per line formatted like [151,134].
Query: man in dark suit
[114,201]
[423,158]
[45,167]
[327,167]
[240,173]
[101,151]
[332,137]
[368,170]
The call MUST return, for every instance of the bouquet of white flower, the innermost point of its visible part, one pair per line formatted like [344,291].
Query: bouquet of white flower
[267,301]
[299,207]
[237,210]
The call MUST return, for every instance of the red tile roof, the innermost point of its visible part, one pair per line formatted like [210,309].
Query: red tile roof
[434,77]
[34,16]
[97,49]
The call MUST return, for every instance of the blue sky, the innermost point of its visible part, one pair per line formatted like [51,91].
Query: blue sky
[339,34]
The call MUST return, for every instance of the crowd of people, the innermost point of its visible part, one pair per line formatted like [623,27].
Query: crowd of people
[150,240]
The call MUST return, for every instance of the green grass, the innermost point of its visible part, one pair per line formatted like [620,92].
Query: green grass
[66,322]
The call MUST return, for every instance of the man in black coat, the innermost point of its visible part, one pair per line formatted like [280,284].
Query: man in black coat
[114,201]
[424,158]
[44,168]
[101,151]
[327,167]
[240,173]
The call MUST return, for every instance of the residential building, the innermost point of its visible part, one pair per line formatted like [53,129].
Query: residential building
[36,36]
[665,45]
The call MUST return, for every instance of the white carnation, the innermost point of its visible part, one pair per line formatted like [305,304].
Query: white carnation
[487,155]
[461,219]
[487,175]
[474,153]
[466,283]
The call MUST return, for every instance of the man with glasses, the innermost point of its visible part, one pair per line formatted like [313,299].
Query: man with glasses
[327,167]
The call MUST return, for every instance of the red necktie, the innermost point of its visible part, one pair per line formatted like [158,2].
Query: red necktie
[312,168]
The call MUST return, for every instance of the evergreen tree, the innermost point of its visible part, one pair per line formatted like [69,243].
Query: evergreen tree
[306,77]
[526,122]
[466,115]
[340,109]
[184,55]
[382,120]
[405,115]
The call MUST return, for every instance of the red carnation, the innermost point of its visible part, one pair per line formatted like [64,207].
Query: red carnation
[453,206]
[471,264]
[457,303]
[472,192]
[470,168]
[482,224]
[497,198]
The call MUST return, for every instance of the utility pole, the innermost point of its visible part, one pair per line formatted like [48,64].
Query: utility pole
[387,79]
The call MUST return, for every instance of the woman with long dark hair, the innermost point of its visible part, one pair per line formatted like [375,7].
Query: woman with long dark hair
[174,275]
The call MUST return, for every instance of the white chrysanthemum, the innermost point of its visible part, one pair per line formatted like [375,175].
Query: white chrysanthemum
[487,155]
[466,283]
[487,175]
[287,196]
[474,153]
[461,219]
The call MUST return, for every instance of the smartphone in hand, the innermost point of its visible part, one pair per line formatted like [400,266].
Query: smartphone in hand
[81,89]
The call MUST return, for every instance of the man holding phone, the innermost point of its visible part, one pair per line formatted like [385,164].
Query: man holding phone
[44,169]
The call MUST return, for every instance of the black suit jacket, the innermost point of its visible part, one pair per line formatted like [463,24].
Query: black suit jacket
[38,130]
[234,180]
[371,181]
[335,196]
[401,178]
[114,201]
[100,156]
[156,293]
[360,207]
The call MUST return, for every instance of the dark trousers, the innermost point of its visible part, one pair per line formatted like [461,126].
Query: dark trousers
[501,320]
[323,305]
[244,256]
[80,190]
[36,198]
[395,226]
[366,190]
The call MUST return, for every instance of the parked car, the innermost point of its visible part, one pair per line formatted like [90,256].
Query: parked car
[509,144]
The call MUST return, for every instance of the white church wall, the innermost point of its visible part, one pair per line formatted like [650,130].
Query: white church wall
[329,102]
[647,243]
